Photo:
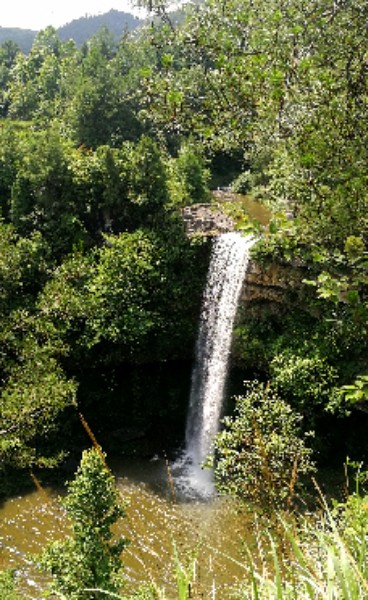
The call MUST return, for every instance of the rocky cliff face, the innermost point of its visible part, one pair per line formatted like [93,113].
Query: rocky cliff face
[275,283]
[270,295]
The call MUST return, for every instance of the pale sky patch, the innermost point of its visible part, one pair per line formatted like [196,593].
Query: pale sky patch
[38,14]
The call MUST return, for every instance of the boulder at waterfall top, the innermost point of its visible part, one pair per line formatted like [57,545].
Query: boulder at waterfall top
[206,219]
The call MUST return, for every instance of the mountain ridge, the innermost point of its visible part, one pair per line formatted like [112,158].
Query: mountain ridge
[80,30]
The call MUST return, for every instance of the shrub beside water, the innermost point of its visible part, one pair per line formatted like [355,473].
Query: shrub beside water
[261,454]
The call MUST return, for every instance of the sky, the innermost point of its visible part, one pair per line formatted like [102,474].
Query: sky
[38,14]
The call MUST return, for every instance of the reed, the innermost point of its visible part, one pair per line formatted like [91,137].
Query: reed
[326,560]
[90,433]
[40,488]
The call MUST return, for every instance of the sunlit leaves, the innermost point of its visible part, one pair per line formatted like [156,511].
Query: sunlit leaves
[286,81]
[357,391]
[122,287]
[307,383]
[31,402]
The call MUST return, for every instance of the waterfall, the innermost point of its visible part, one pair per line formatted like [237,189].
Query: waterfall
[229,260]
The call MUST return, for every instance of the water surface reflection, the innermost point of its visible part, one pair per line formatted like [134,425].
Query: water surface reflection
[213,531]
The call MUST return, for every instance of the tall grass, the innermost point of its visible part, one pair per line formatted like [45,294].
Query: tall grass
[314,557]
[317,558]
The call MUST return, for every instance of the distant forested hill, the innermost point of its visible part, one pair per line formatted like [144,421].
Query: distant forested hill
[22,37]
[80,30]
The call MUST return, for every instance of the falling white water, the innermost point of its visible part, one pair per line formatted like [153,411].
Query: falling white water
[229,261]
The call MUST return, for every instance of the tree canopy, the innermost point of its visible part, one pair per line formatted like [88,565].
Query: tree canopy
[101,146]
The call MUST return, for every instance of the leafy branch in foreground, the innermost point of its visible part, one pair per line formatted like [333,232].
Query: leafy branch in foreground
[8,586]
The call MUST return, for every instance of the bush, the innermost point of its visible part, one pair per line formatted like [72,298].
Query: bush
[243,183]
[189,181]
[261,454]
[308,383]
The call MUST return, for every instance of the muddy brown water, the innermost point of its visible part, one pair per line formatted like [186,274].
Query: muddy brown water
[256,210]
[213,532]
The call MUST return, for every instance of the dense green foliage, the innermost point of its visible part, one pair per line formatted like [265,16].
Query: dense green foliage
[101,146]
[96,271]
[7,586]
[94,266]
